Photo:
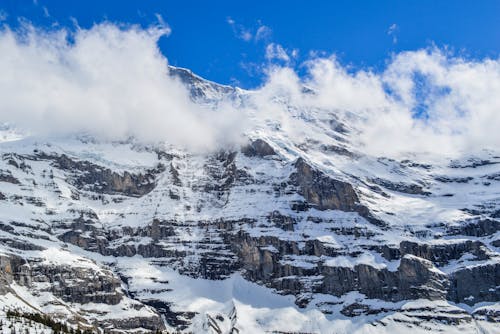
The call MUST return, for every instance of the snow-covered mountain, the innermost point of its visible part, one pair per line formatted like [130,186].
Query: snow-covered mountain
[298,229]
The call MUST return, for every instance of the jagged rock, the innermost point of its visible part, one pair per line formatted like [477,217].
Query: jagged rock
[475,284]
[152,324]
[479,228]
[442,253]
[258,148]
[447,179]
[178,320]
[223,172]
[493,177]
[20,244]
[200,89]
[419,278]
[490,315]
[325,193]
[158,230]
[471,163]
[414,277]
[262,259]
[321,191]
[175,175]
[75,285]
[284,222]
[338,150]
[413,189]
[87,176]
[6,176]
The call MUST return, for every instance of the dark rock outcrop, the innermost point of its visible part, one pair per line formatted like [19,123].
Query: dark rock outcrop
[325,193]
[321,191]
[88,176]
[475,284]
[6,176]
[258,148]
[441,254]
[198,87]
[479,228]
[262,258]
[415,278]
[407,188]
[284,222]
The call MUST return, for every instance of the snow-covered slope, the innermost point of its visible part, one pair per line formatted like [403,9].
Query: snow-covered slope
[296,230]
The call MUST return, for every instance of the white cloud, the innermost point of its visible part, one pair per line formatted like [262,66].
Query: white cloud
[110,82]
[163,25]
[457,100]
[261,32]
[277,52]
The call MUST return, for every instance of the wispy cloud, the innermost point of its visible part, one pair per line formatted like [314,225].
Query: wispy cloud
[248,34]
[163,25]
[392,31]
[276,51]
[45,11]
[263,32]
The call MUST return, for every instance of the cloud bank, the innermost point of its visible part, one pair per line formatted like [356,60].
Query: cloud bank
[107,81]
[113,82]
[423,101]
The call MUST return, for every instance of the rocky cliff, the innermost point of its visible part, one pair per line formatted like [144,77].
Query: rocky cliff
[276,235]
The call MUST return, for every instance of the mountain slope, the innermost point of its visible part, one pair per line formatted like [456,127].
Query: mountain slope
[295,230]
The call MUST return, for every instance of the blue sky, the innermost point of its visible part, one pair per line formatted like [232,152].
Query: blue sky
[226,41]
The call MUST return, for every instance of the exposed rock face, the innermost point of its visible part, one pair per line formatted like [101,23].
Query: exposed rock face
[414,277]
[325,193]
[446,179]
[284,222]
[478,283]
[441,254]
[200,89]
[222,169]
[262,259]
[258,148]
[479,228]
[75,285]
[321,191]
[88,176]
[84,233]
[272,247]
[338,150]
[413,189]
[7,177]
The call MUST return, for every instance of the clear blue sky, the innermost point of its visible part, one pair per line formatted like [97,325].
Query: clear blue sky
[209,36]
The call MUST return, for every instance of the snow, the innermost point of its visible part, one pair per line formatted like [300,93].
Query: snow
[373,260]
[301,132]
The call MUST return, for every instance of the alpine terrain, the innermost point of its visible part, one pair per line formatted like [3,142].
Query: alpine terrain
[294,229]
